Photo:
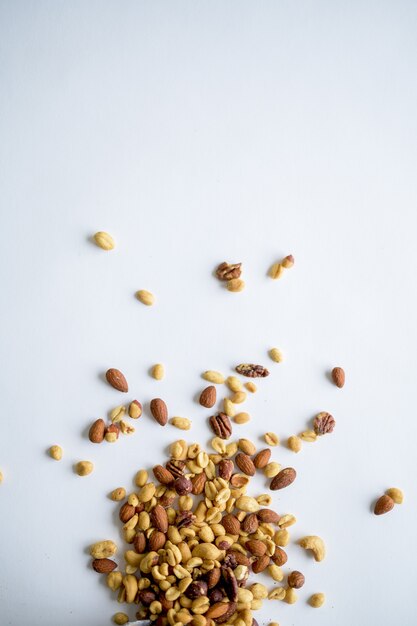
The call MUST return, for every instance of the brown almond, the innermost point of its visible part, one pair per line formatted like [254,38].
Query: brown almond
[231,524]
[116,379]
[159,518]
[96,432]
[241,559]
[260,564]
[217,610]
[338,376]
[256,547]
[104,566]
[250,524]
[383,505]
[261,460]
[157,541]
[245,464]
[268,516]
[284,478]
[127,511]
[163,475]
[139,542]
[159,411]
[213,577]
[208,397]
[198,482]
[280,556]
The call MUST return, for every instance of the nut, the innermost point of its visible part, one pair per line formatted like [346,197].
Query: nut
[228,271]
[183,486]
[118,494]
[384,504]
[234,383]
[159,518]
[250,386]
[159,411]
[276,271]
[241,418]
[288,261]
[308,435]
[163,475]
[296,579]
[287,520]
[251,370]
[272,469]
[221,426]
[231,524]
[141,478]
[226,468]
[114,580]
[146,297]
[250,524]
[255,547]
[104,240]
[103,566]
[127,511]
[83,468]
[324,423]
[229,407]
[117,414]
[135,409]
[261,460]
[279,557]
[245,464]
[294,443]
[271,439]
[116,379]
[283,479]
[276,355]
[97,430]
[290,596]
[316,545]
[248,504]
[268,516]
[338,376]
[111,433]
[282,538]
[178,450]
[158,371]
[183,423]
[260,564]
[213,377]
[396,494]
[246,446]
[278,593]
[126,428]
[120,618]
[235,285]
[238,397]
[208,397]
[55,452]
[103,549]
[317,600]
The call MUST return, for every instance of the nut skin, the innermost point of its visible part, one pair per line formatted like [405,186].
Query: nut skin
[231,524]
[159,411]
[283,479]
[103,566]
[198,482]
[261,460]
[208,397]
[324,423]
[183,486]
[228,271]
[260,564]
[221,426]
[245,464]
[112,432]
[256,547]
[279,557]
[383,505]
[338,376]
[225,469]
[135,409]
[251,370]
[97,430]
[196,589]
[159,517]
[116,379]
[296,579]
[163,475]
[250,524]
[127,511]
[139,542]
[268,516]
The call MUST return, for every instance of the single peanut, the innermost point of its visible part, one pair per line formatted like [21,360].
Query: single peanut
[146,297]
[83,468]
[56,452]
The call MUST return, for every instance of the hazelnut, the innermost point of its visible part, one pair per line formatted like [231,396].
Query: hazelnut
[296,580]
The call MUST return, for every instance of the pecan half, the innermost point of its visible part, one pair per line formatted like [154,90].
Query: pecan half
[176,468]
[227,271]
[221,426]
[251,370]
[184,519]
[324,423]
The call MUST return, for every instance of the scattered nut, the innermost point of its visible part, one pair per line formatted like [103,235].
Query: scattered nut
[251,370]
[235,285]
[159,411]
[117,414]
[396,495]
[290,596]
[213,377]
[288,261]
[316,545]
[271,439]
[250,386]
[112,433]
[116,379]
[104,240]
[120,618]
[158,371]
[83,468]
[383,505]
[317,600]
[228,407]
[181,422]
[283,479]
[146,297]
[308,435]
[118,494]
[338,376]
[208,397]
[241,418]
[238,397]
[294,443]
[228,271]
[97,430]
[56,452]
[276,355]
[272,469]
[234,383]
[276,271]
[324,423]
[296,580]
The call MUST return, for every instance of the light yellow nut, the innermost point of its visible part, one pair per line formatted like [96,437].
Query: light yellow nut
[117,414]
[272,469]
[282,538]
[207,551]
[250,386]
[276,572]
[264,499]
[259,591]
[396,494]
[213,377]
[141,478]
[178,450]
[317,600]
[278,593]
[146,297]
[235,285]
[290,596]
[248,504]
[183,423]
[286,520]
[315,544]
[193,450]
[158,371]
[246,446]
[114,580]
[104,240]
[228,407]
[55,452]
[133,558]
[120,618]
[234,383]
[111,437]
[308,435]
[276,271]
[126,428]
[241,418]
[219,445]
[294,443]
[103,549]
[271,439]
[83,468]
[238,397]
[144,521]
[147,492]
[276,355]
[231,449]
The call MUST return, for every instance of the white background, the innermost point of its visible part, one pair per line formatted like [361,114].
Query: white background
[197,132]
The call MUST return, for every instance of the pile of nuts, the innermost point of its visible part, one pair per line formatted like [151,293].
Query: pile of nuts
[196,537]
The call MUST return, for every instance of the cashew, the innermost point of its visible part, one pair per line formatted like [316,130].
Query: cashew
[316,545]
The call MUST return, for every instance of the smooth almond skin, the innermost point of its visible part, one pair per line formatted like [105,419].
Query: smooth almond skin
[116,379]
[383,505]
[261,460]
[97,430]
[159,411]
[163,475]
[208,397]
[338,376]
[245,464]
[103,566]
[283,479]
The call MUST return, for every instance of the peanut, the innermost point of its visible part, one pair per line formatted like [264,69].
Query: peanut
[56,452]
[146,297]
[158,371]
[104,240]
[317,600]
[83,468]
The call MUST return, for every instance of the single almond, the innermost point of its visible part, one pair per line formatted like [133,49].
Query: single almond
[198,482]
[163,475]
[159,518]
[338,376]
[261,460]
[256,547]
[116,379]
[231,524]
[268,516]
[127,511]
[139,542]
[279,557]
[245,464]
[96,432]
[208,397]
[159,411]
[250,524]
[383,505]
[283,479]
[260,564]
[103,566]
[157,541]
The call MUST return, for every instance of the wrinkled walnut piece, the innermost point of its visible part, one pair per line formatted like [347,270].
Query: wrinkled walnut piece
[252,371]
[227,271]
[221,426]
[324,423]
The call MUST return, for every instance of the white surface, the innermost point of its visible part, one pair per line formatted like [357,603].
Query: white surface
[195,132]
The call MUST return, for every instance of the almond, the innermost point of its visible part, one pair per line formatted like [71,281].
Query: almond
[159,411]
[245,464]
[208,397]
[256,547]
[338,376]
[383,505]
[268,516]
[217,610]
[157,541]
[250,524]
[241,559]
[96,432]
[284,478]
[139,542]
[261,460]
[279,557]
[198,483]
[116,379]
[103,566]
[231,524]
[163,475]
[260,564]
[159,518]
[127,511]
